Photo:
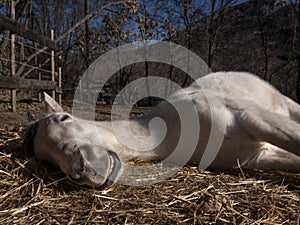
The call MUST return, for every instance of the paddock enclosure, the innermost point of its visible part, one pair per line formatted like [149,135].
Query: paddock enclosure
[33,192]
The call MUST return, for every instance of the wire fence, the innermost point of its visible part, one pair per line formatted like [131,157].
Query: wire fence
[29,46]
[28,65]
[35,48]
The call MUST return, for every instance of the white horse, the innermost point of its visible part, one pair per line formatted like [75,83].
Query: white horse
[262,131]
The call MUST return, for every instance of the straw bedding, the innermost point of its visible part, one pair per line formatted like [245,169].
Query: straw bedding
[33,192]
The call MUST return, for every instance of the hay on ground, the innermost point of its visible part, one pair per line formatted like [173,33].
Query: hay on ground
[32,192]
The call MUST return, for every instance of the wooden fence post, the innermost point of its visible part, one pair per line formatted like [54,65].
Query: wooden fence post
[59,82]
[13,59]
[40,78]
[52,64]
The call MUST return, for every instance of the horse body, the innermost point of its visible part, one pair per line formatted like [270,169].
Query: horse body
[261,131]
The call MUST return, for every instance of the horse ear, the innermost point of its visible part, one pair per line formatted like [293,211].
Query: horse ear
[51,105]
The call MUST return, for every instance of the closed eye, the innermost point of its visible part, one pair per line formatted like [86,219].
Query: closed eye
[64,117]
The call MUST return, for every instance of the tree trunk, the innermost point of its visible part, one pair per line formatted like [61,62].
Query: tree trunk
[211,34]
[149,99]
[87,31]
[298,81]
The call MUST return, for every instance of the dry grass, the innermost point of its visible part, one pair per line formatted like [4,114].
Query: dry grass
[32,192]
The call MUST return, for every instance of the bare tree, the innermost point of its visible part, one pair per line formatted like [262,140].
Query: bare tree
[296,40]
[263,21]
[216,14]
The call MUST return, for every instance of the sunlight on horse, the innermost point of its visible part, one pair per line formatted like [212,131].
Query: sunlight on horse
[262,131]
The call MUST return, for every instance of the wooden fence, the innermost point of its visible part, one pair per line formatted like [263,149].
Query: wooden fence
[15,82]
[28,84]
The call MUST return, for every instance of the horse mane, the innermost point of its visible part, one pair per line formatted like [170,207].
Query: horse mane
[28,138]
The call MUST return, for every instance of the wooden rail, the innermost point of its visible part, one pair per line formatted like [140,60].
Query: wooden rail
[27,84]
[15,27]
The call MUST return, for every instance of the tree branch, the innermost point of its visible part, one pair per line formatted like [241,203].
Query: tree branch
[86,18]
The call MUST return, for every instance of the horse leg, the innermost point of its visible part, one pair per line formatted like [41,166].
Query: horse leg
[294,109]
[265,126]
[273,158]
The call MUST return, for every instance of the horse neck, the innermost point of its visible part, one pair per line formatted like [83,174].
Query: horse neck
[109,131]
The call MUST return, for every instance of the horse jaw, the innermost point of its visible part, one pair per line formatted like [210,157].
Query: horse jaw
[95,167]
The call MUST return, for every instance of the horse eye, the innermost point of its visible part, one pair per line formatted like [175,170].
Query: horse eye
[64,117]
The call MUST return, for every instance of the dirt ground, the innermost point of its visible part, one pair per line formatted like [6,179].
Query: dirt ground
[34,192]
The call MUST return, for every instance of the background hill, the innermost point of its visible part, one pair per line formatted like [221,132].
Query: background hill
[256,36]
